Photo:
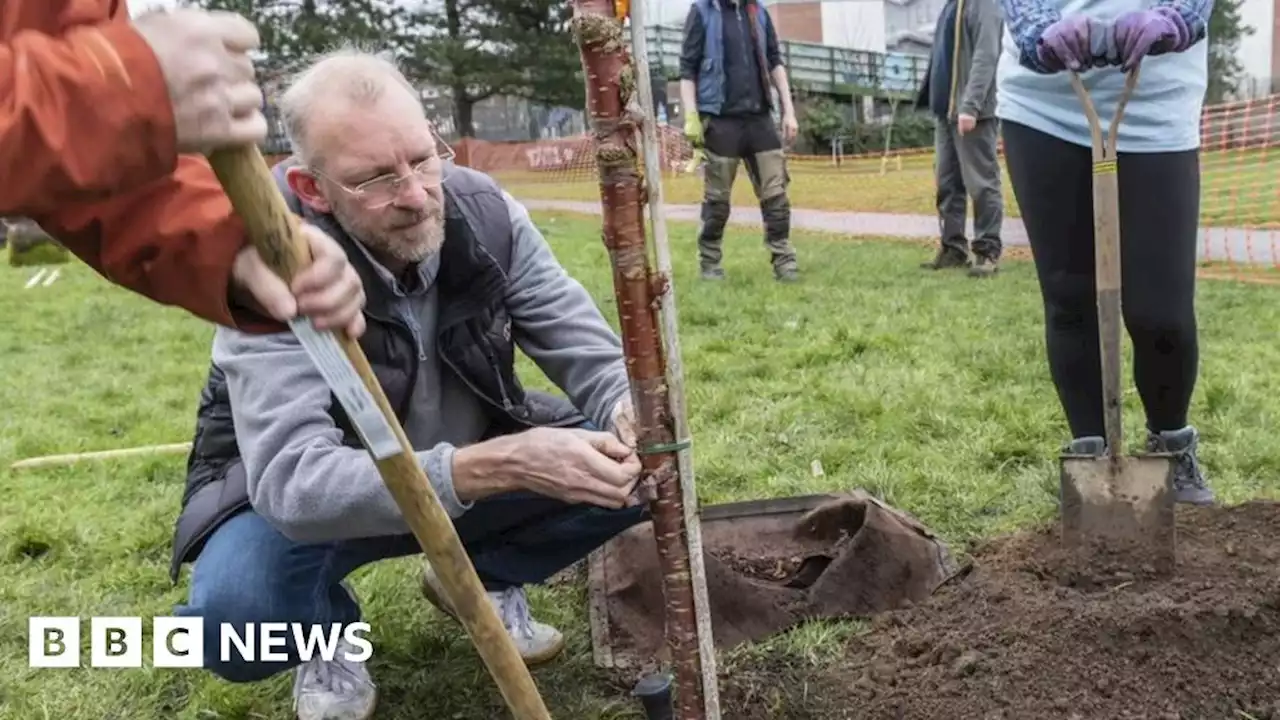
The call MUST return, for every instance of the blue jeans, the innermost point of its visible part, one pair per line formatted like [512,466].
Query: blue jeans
[249,572]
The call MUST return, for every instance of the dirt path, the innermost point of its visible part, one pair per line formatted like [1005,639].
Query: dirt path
[1240,245]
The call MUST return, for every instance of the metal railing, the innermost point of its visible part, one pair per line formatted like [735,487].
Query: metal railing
[816,68]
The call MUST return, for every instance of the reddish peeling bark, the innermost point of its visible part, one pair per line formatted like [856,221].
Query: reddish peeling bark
[606,62]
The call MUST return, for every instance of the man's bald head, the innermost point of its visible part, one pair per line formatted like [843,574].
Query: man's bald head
[336,84]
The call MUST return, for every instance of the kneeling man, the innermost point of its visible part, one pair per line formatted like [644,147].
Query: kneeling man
[283,502]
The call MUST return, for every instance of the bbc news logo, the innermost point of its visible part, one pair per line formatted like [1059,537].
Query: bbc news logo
[179,642]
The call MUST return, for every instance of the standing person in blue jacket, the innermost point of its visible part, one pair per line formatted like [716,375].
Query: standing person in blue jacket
[1047,145]
[729,57]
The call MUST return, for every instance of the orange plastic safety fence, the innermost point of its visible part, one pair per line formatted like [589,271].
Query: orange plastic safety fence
[1240,189]
[562,160]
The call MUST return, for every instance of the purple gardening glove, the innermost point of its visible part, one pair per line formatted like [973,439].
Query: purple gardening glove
[1075,43]
[1150,32]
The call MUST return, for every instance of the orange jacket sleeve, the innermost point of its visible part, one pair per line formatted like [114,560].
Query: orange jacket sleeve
[87,133]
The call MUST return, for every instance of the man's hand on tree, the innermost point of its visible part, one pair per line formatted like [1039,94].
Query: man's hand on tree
[623,420]
[568,464]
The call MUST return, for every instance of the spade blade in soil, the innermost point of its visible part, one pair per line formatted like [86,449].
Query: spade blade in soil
[1120,508]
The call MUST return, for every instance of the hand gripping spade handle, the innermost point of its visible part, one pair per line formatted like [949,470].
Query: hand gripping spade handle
[275,232]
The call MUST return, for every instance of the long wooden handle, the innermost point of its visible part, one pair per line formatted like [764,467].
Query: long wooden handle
[1106,238]
[275,232]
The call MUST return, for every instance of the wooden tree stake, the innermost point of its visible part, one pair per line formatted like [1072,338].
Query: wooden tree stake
[675,369]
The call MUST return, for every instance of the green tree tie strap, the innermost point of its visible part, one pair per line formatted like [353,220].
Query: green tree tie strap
[660,448]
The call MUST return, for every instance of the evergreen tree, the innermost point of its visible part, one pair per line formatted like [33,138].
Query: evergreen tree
[1226,29]
[293,31]
[481,48]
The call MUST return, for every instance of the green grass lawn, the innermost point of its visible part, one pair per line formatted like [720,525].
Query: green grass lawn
[929,390]
[1238,188]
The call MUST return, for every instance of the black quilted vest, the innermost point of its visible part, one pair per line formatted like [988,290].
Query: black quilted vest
[473,340]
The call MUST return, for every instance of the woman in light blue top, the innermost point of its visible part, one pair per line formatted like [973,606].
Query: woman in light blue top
[1047,149]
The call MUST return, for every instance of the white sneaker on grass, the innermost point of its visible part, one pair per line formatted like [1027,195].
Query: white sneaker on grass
[537,642]
[339,689]
[335,690]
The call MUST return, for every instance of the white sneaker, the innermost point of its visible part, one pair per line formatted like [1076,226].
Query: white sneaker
[537,642]
[335,690]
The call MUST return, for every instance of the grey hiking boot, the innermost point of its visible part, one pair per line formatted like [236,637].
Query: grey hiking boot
[1188,478]
[1089,445]
[1189,485]
[947,258]
[537,643]
[984,266]
[339,689]
[712,273]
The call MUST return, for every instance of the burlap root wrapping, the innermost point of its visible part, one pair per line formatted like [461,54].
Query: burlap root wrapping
[848,555]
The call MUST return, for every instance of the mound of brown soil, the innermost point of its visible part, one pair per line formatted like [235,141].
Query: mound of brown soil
[1029,634]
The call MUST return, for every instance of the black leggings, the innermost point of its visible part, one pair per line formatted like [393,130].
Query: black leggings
[1159,215]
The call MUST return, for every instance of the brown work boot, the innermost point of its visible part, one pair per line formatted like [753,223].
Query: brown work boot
[947,258]
[984,266]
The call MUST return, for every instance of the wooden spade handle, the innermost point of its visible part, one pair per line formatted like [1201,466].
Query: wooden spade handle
[276,233]
[1106,238]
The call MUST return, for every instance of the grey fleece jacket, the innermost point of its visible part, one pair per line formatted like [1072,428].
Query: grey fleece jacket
[313,489]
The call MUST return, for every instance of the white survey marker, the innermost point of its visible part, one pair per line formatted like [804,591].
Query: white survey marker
[342,379]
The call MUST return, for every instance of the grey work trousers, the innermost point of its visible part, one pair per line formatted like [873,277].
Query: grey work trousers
[967,166]
[755,141]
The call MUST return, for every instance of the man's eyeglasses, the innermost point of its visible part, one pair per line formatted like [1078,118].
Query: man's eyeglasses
[384,189]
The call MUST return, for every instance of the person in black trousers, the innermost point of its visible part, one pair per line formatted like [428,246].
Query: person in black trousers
[728,64]
[1048,153]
